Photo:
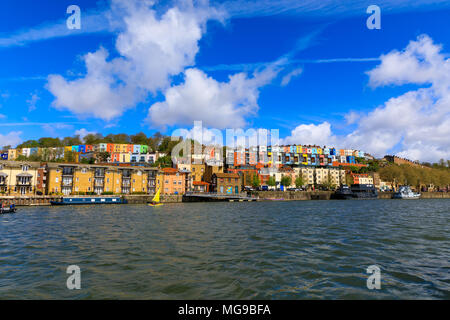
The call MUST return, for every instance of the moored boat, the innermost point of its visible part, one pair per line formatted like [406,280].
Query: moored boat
[88,201]
[405,192]
[356,191]
[8,210]
[343,193]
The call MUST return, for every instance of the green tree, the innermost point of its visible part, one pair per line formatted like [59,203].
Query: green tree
[271,182]
[164,162]
[256,182]
[299,181]
[286,181]
[103,156]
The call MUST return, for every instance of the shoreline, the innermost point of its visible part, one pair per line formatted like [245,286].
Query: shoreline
[275,196]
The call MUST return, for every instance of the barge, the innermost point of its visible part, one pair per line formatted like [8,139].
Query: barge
[88,201]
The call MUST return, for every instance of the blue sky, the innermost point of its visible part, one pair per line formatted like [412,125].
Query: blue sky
[331,98]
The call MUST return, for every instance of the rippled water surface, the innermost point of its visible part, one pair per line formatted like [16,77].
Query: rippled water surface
[257,250]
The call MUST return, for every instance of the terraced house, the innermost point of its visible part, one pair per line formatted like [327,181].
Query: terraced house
[18,178]
[97,179]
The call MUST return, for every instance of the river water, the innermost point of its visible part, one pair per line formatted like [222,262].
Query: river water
[256,250]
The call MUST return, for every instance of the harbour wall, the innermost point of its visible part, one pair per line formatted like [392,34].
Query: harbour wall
[263,195]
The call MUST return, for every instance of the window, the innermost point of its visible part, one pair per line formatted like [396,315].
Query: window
[56,179]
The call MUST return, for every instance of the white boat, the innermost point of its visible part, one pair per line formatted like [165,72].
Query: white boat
[405,192]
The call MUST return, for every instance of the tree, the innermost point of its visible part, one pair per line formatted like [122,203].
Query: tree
[271,182]
[103,156]
[299,181]
[286,181]
[256,182]
[164,162]
[139,138]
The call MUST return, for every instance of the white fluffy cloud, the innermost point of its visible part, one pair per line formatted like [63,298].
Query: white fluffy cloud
[83,133]
[217,104]
[10,139]
[311,134]
[152,48]
[415,125]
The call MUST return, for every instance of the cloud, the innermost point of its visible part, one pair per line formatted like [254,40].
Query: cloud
[217,104]
[287,78]
[311,134]
[320,8]
[83,133]
[2,116]
[152,48]
[92,22]
[32,102]
[414,125]
[10,139]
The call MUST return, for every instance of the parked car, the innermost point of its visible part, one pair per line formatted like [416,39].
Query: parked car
[264,188]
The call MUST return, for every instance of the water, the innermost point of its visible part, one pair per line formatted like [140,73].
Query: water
[256,250]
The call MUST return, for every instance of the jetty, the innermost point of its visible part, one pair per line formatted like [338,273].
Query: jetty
[214,197]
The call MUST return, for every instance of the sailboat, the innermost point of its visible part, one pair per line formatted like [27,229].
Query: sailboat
[155,201]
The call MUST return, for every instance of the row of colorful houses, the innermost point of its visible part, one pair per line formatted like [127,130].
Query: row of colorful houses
[59,152]
[293,155]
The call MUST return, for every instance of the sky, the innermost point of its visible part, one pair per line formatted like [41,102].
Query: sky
[311,69]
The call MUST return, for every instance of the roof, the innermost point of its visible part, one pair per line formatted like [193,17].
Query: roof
[200,183]
[169,170]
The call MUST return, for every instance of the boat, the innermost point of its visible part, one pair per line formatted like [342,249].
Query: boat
[364,191]
[355,191]
[156,201]
[343,193]
[8,210]
[405,192]
[65,201]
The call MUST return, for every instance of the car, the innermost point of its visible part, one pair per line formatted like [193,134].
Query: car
[264,188]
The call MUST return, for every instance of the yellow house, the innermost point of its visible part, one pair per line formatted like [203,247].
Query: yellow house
[18,178]
[12,154]
[80,179]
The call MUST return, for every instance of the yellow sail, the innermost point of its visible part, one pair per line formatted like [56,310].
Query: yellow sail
[156,197]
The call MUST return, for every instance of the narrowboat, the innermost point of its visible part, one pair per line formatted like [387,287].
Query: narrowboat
[88,201]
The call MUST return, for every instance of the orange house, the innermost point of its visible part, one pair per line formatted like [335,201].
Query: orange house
[110,147]
[173,181]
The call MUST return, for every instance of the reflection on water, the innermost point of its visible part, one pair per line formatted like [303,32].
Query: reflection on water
[257,250]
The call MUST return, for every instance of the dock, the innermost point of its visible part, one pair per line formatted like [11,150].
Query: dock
[215,197]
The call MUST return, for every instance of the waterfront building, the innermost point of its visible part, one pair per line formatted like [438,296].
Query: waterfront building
[172,181]
[200,186]
[226,183]
[73,179]
[361,178]
[18,178]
